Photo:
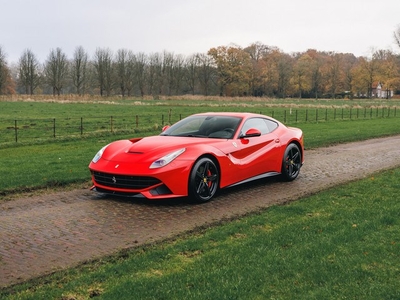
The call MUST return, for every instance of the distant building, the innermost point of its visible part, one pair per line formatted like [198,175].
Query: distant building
[379,91]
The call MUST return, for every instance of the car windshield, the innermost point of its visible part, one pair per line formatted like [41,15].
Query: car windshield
[222,127]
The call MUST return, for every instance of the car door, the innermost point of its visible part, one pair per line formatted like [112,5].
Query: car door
[258,154]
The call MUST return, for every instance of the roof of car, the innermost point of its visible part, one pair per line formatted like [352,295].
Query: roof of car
[232,114]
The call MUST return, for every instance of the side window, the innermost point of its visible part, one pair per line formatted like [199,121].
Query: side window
[257,123]
[271,125]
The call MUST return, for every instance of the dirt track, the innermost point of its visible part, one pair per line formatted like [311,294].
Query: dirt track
[41,234]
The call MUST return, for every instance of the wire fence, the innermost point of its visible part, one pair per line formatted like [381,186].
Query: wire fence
[24,130]
[28,130]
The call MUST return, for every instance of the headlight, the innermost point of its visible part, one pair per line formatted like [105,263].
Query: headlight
[98,155]
[165,160]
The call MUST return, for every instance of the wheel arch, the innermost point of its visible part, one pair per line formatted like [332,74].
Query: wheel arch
[203,188]
[214,159]
[297,143]
[290,169]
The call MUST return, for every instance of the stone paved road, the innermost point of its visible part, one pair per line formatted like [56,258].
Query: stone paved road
[41,234]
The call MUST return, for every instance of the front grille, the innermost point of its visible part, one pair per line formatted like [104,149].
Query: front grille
[125,181]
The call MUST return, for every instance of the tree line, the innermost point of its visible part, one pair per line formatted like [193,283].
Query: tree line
[256,70]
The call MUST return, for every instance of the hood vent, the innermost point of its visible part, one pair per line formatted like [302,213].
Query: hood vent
[135,152]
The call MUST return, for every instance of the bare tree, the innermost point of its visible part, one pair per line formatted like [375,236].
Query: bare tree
[206,72]
[396,35]
[172,73]
[131,73]
[104,70]
[190,69]
[155,75]
[29,71]
[79,70]
[125,63]
[140,71]
[56,70]
[168,71]
[178,73]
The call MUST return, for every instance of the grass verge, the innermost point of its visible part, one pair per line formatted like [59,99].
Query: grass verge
[341,243]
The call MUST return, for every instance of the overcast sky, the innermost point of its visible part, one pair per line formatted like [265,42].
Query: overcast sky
[188,26]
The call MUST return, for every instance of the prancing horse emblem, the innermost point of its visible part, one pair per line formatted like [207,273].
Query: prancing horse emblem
[114,180]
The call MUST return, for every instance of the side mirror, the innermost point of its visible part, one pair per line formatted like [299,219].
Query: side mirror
[165,128]
[251,132]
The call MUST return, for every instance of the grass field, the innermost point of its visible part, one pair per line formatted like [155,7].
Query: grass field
[32,122]
[339,244]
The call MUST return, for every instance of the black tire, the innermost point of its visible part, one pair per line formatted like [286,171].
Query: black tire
[204,180]
[291,162]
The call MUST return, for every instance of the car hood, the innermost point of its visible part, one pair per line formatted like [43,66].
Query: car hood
[151,148]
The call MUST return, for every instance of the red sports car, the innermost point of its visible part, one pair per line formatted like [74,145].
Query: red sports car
[199,155]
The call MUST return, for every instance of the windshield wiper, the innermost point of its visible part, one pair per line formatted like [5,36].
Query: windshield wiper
[194,135]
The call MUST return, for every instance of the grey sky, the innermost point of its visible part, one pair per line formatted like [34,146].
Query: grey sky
[189,26]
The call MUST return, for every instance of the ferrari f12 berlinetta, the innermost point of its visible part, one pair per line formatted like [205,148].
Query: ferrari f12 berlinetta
[199,155]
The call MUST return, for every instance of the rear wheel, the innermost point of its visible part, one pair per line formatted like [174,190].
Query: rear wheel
[291,163]
[204,180]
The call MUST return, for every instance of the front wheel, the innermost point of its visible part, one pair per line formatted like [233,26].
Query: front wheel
[291,162]
[204,180]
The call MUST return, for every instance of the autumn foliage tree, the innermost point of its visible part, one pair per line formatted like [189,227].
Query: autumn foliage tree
[389,70]
[7,85]
[302,75]
[234,70]
[284,64]
[258,70]
[3,71]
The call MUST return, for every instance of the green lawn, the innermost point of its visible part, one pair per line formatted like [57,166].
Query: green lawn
[33,122]
[339,244]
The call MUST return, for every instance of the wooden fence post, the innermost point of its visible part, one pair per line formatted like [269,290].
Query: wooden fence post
[16,131]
